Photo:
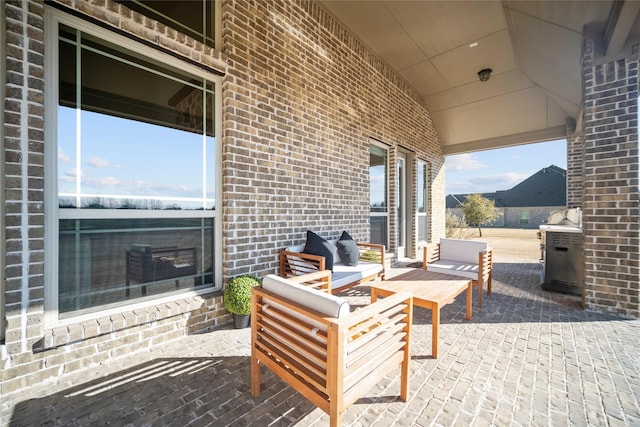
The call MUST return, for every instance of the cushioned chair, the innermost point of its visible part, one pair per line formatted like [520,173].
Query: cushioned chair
[465,258]
[311,340]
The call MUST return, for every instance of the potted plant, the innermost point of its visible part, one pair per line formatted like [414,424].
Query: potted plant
[237,298]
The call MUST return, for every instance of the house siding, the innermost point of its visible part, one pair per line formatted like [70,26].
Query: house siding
[302,99]
[510,217]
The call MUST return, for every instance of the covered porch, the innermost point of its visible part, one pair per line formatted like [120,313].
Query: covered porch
[528,357]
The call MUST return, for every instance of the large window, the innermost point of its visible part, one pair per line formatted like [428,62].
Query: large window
[195,18]
[134,174]
[421,198]
[378,194]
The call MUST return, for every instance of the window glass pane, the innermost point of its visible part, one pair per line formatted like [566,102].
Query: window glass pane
[194,18]
[422,187]
[378,230]
[107,262]
[378,178]
[132,134]
[421,198]
[378,194]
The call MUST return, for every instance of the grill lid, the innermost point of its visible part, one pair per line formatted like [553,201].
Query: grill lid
[570,217]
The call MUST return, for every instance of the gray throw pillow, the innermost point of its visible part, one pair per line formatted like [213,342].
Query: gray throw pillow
[348,250]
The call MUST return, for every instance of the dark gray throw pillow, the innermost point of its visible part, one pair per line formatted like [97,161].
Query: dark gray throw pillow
[316,245]
[348,250]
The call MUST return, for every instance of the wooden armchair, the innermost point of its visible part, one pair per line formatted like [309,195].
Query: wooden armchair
[309,339]
[463,258]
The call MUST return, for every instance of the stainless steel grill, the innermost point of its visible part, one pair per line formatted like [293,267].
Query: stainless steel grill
[562,252]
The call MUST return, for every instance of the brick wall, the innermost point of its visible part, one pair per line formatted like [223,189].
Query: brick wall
[23,178]
[301,100]
[575,166]
[611,194]
[32,354]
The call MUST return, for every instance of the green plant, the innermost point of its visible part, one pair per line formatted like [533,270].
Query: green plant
[371,256]
[237,294]
[479,210]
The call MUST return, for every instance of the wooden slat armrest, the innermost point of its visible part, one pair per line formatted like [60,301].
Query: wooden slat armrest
[320,280]
[485,267]
[298,263]
[431,253]
[365,313]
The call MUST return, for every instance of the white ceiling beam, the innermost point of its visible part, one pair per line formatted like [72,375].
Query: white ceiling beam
[540,135]
[621,19]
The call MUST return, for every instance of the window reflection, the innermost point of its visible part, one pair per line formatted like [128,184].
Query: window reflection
[134,135]
[378,194]
[378,178]
[110,261]
[131,135]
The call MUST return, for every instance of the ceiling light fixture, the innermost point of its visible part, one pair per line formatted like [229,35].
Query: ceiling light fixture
[484,74]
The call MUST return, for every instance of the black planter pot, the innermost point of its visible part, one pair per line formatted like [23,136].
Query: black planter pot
[241,321]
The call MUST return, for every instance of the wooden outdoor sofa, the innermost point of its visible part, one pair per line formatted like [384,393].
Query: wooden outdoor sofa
[310,339]
[466,258]
[370,266]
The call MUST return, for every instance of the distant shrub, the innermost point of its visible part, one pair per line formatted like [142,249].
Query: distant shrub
[456,227]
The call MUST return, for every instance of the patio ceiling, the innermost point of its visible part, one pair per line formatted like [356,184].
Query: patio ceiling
[533,48]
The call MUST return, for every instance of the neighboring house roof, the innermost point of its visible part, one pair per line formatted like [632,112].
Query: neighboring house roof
[547,187]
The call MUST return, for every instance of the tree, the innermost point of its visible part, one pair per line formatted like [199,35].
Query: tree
[479,210]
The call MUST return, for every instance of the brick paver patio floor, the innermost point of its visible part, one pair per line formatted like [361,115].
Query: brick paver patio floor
[528,358]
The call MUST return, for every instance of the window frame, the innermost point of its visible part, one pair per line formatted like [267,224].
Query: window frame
[419,215]
[388,171]
[53,18]
[217,23]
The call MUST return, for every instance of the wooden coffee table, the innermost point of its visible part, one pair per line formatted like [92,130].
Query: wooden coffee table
[430,290]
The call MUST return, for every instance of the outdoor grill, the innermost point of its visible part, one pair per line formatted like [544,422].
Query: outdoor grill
[561,252]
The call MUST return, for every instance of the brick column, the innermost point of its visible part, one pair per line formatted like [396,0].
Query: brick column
[610,205]
[23,168]
[575,166]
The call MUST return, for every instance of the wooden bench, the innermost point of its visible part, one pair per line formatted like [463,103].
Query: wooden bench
[309,339]
[293,262]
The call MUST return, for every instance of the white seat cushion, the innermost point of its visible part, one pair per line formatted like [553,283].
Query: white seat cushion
[346,274]
[455,268]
